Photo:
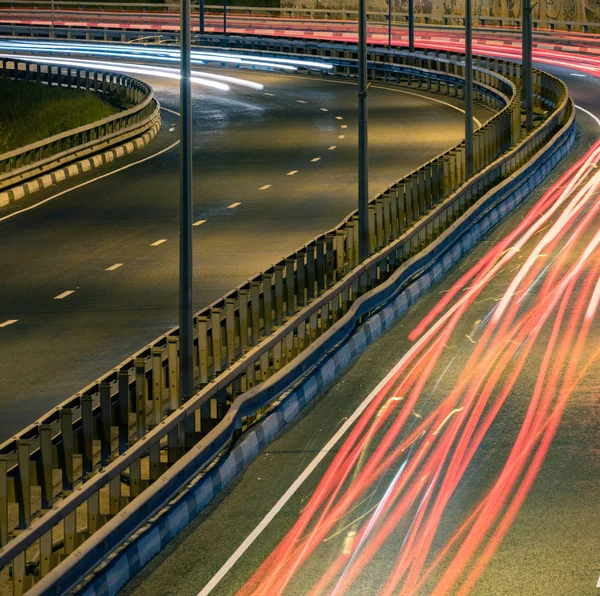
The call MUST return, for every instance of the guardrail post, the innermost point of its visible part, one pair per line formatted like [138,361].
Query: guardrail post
[230,328]
[387,218]
[372,237]
[300,278]
[157,385]
[310,271]
[105,423]
[215,313]
[87,445]
[141,387]
[243,295]
[329,270]
[202,325]
[290,306]
[255,311]
[93,513]
[123,410]
[320,264]
[173,368]
[267,284]
[279,295]
[66,451]
[378,223]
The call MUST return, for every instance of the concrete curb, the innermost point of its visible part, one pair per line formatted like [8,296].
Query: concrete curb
[145,544]
[79,167]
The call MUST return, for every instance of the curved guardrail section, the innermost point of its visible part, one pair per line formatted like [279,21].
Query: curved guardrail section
[37,158]
[108,445]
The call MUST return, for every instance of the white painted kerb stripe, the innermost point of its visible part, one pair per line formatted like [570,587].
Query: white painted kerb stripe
[64,295]
[289,493]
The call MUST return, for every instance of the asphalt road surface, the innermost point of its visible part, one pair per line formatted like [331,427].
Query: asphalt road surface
[550,542]
[91,275]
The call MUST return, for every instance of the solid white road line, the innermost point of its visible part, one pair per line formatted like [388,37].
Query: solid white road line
[314,159]
[233,205]
[265,187]
[64,295]
[331,148]
[9,322]
[289,493]
[113,267]
[199,222]
[292,173]
[112,173]
[426,97]
[597,120]
[159,242]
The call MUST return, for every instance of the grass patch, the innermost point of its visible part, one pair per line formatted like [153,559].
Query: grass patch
[32,111]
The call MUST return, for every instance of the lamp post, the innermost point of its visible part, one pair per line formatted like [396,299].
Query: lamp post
[224,16]
[468,90]
[527,36]
[186,305]
[201,16]
[52,19]
[411,25]
[390,24]
[363,158]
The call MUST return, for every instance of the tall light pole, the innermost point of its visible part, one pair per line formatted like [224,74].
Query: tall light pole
[389,24]
[201,15]
[411,25]
[468,90]
[363,156]
[186,304]
[527,36]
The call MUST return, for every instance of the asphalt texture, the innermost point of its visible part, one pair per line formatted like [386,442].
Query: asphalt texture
[553,545]
[243,140]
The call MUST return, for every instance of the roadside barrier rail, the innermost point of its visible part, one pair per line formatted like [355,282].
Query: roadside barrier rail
[36,158]
[73,9]
[87,474]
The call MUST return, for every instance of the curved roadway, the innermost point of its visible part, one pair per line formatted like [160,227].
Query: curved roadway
[91,275]
[551,545]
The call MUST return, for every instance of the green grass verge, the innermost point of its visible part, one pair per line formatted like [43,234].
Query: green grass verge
[32,112]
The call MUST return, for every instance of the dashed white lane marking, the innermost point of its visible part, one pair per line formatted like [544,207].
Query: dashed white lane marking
[64,295]
[598,584]
[171,129]
[315,159]
[344,126]
[300,101]
[115,266]
[324,110]
[331,148]
[338,118]
[269,94]
[292,172]
[199,222]
[234,205]
[293,488]
[340,136]
[9,322]
[265,187]
[159,242]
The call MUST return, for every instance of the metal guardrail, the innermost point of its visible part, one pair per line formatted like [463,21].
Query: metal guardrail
[98,454]
[33,160]
[295,14]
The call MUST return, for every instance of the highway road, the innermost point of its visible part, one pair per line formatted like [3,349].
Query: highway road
[474,468]
[90,269]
